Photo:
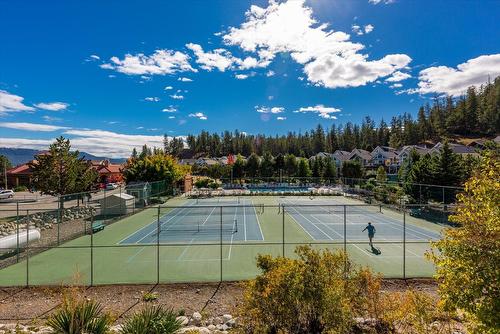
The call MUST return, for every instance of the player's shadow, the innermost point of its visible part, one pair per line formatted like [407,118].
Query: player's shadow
[375,250]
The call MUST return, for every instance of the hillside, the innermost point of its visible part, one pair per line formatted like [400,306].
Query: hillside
[21,155]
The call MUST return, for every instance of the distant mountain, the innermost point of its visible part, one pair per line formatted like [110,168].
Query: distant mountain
[19,156]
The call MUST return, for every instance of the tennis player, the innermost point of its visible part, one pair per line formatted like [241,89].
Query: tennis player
[371,232]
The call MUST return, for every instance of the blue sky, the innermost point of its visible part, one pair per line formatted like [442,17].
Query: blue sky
[99,72]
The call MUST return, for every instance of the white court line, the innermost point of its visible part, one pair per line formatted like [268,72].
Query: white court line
[244,221]
[133,256]
[329,237]
[258,222]
[232,235]
[185,250]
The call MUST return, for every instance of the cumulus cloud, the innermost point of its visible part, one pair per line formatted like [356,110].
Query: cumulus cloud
[31,126]
[369,28]
[184,79]
[152,99]
[161,62]
[321,110]
[329,58]
[220,59]
[398,76]
[454,81]
[396,85]
[177,96]
[357,29]
[270,73]
[168,88]
[199,115]
[281,118]
[269,110]
[52,106]
[12,103]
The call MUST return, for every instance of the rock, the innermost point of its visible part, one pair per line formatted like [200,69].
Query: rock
[212,327]
[226,317]
[231,323]
[196,318]
[183,320]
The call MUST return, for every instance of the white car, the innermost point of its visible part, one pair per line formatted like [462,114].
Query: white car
[111,186]
[4,194]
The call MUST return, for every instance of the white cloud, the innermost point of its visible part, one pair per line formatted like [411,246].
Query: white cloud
[161,62]
[385,2]
[199,115]
[177,97]
[184,79]
[52,106]
[281,118]
[220,59]
[152,99]
[96,57]
[169,109]
[369,28]
[396,85]
[321,110]
[32,127]
[267,110]
[171,117]
[398,76]
[454,81]
[168,88]
[329,58]
[241,76]
[357,29]
[270,73]
[52,119]
[12,103]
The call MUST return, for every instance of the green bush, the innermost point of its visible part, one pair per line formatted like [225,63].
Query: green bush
[320,292]
[152,319]
[20,188]
[78,317]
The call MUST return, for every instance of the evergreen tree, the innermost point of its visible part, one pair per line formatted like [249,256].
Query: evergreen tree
[303,169]
[291,164]
[253,165]
[267,165]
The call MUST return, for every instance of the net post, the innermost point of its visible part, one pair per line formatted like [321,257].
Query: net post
[283,223]
[220,212]
[158,246]
[404,243]
[380,208]
[91,249]
[17,232]
[444,201]
[27,248]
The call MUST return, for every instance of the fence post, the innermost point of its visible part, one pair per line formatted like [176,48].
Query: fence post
[59,218]
[158,247]
[27,248]
[221,243]
[404,243]
[17,231]
[91,249]
[345,240]
[283,222]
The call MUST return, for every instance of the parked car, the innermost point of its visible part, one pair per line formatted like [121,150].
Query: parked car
[111,186]
[4,194]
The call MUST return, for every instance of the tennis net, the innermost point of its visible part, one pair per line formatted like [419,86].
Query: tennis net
[325,210]
[200,227]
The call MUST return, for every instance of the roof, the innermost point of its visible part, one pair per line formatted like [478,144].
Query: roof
[20,169]
[341,155]
[409,148]
[386,151]
[363,154]
[123,196]
[456,148]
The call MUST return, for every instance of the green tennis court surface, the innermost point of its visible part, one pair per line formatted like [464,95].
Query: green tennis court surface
[189,240]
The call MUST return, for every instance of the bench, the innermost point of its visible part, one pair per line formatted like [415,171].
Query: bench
[97,226]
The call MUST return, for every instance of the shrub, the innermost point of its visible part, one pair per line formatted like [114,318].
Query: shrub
[467,257]
[20,188]
[321,291]
[79,316]
[149,296]
[152,319]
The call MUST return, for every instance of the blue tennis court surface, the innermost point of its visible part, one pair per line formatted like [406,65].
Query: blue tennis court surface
[322,221]
[199,221]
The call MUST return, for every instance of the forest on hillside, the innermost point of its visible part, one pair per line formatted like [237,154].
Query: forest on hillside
[475,114]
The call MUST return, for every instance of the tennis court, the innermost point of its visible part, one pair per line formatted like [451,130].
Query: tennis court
[190,240]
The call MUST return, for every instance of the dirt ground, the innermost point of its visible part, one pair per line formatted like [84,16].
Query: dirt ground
[32,305]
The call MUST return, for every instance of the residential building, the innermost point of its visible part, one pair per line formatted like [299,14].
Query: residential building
[383,156]
[362,156]
[405,151]
[108,172]
[456,148]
